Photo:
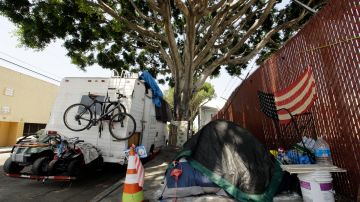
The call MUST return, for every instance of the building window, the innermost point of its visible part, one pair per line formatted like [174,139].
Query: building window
[87,101]
[9,92]
[5,110]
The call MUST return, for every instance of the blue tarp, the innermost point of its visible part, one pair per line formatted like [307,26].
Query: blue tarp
[191,182]
[189,177]
[156,92]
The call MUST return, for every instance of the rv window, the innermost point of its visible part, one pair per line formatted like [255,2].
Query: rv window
[87,101]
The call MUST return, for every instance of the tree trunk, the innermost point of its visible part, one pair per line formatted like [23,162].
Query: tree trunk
[182,97]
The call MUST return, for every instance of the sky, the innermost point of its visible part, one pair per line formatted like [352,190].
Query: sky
[53,62]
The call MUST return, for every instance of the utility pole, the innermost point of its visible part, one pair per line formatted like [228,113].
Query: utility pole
[306,7]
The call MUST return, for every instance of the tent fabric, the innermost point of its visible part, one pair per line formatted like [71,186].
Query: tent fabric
[234,160]
[190,183]
[156,92]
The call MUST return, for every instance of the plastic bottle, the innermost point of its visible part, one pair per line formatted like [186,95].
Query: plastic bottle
[322,152]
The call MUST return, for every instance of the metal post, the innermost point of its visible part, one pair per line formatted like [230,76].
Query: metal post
[306,7]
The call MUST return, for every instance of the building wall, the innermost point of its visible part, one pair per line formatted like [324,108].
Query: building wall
[206,114]
[23,99]
[4,131]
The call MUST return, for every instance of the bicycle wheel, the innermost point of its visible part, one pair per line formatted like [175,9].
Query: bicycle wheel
[120,109]
[77,117]
[122,126]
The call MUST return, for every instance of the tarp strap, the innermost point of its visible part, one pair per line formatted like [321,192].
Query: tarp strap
[267,196]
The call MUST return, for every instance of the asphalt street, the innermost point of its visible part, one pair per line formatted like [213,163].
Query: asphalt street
[82,189]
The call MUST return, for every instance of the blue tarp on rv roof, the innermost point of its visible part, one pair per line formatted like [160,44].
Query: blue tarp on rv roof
[156,92]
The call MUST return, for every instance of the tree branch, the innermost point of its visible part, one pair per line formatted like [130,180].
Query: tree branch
[142,15]
[252,29]
[265,40]
[141,30]
[182,7]
[206,73]
[165,8]
[213,23]
[216,6]
[215,35]
[153,5]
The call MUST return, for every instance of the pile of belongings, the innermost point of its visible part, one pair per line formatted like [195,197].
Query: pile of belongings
[223,159]
[300,153]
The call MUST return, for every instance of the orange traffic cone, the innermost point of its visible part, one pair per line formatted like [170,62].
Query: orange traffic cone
[134,175]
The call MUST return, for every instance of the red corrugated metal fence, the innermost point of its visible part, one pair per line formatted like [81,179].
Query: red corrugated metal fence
[330,44]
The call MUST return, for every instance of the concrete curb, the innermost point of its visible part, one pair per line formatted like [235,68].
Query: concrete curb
[108,191]
[5,151]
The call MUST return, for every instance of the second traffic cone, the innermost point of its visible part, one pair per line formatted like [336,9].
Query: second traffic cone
[132,191]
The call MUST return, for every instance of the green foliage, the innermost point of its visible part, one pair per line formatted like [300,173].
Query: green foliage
[90,37]
[205,94]
[181,40]
[94,37]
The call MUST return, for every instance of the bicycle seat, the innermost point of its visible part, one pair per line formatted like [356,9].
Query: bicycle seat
[121,95]
[93,96]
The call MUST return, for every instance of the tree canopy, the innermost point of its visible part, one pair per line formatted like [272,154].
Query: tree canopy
[185,40]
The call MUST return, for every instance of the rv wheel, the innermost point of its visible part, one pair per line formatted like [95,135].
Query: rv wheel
[11,166]
[74,168]
[99,163]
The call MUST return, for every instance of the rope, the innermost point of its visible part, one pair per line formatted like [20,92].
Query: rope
[331,44]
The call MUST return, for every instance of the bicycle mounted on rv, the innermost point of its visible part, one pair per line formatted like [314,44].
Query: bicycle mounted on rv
[79,117]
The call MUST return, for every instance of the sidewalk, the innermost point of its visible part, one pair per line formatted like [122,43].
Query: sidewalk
[5,150]
[154,176]
[153,187]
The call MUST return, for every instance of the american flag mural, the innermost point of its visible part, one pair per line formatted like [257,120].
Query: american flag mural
[297,98]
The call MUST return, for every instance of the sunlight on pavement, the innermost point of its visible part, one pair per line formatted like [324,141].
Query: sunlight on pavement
[3,158]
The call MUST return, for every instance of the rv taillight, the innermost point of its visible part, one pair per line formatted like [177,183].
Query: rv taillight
[52,132]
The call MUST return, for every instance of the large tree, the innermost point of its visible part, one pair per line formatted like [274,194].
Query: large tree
[185,40]
[205,94]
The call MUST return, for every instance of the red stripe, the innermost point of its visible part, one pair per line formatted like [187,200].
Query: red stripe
[300,103]
[138,166]
[284,121]
[35,177]
[295,95]
[136,160]
[292,85]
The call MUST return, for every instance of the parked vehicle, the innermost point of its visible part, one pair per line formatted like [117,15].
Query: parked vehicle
[126,116]
[70,157]
[138,103]
[27,151]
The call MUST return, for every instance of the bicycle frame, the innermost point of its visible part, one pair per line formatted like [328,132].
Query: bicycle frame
[96,120]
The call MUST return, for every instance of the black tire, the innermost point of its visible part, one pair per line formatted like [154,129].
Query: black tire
[77,117]
[12,167]
[53,167]
[122,126]
[40,166]
[74,168]
[120,109]
[97,164]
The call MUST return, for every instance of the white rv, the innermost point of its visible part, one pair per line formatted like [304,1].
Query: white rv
[138,102]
